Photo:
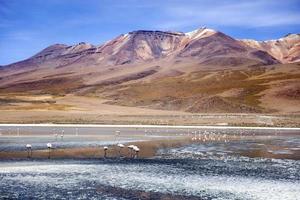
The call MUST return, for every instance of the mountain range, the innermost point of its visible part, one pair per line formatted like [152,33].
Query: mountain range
[200,71]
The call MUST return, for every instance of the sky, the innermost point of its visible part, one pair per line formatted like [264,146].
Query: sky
[28,26]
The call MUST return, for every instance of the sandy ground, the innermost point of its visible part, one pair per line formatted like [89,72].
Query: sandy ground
[82,110]
[81,117]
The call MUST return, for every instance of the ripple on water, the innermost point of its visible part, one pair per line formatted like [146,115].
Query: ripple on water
[69,178]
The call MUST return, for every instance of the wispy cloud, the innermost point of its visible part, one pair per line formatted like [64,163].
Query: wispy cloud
[31,25]
[256,13]
[20,35]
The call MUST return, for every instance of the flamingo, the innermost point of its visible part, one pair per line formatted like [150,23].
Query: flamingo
[105,149]
[29,150]
[136,150]
[62,134]
[49,146]
[130,147]
[117,133]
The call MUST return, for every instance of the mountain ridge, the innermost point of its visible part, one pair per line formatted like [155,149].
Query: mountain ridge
[200,71]
[193,35]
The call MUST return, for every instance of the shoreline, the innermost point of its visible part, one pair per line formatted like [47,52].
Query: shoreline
[151,126]
[136,118]
[148,150]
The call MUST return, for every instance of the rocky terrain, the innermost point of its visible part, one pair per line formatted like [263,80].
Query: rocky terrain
[203,71]
[285,49]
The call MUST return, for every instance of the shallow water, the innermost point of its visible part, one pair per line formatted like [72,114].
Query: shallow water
[15,139]
[211,170]
[237,178]
[9,144]
[270,147]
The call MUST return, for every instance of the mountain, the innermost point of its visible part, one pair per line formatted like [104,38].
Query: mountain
[203,44]
[286,49]
[203,47]
[200,71]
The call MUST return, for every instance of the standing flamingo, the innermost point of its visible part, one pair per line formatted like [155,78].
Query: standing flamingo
[117,134]
[62,134]
[29,150]
[130,147]
[105,149]
[136,150]
[49,146]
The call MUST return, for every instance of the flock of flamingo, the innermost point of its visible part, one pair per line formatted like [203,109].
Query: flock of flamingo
[133,149]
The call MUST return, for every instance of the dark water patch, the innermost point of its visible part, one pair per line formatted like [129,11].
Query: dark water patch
[117,192]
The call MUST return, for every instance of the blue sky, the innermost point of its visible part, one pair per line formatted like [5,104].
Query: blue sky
[28,26]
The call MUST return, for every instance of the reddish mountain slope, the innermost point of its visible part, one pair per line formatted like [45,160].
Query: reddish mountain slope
[286,49]
[164,70]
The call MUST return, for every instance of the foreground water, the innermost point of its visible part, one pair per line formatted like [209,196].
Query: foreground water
[212,170]
[238,178]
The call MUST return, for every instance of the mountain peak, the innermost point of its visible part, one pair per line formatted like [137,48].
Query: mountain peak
[150,45]
[56,46]
[50,51]
[81,46]
[200,33]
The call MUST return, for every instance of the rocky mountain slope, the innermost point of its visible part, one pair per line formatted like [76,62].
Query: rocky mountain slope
[200,71]
[204,44]
[286,49]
